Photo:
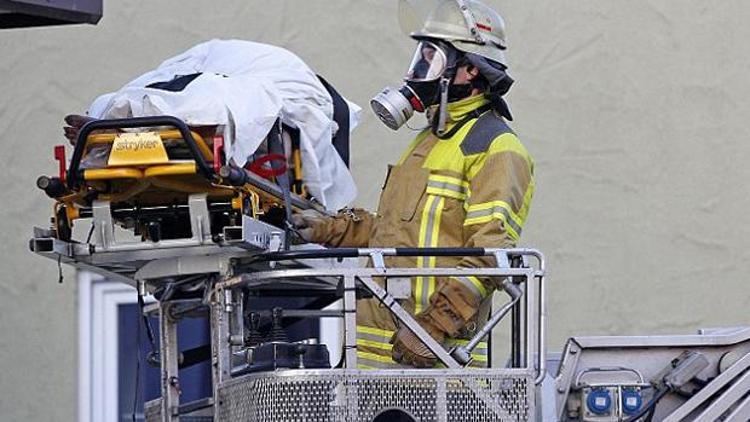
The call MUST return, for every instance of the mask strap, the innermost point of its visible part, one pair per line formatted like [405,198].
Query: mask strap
[442,111]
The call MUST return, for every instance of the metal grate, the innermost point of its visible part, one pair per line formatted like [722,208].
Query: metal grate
[428,395]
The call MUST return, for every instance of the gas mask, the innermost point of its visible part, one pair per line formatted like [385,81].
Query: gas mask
[427,83]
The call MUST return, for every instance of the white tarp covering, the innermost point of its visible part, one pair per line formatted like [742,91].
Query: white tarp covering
[246,86]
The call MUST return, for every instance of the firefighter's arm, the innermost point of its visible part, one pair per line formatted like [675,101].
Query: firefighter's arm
[501,185]
[348,228]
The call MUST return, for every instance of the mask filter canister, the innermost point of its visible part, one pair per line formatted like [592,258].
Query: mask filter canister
[394,107]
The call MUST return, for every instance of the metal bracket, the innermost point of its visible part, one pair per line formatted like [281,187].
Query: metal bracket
[254,235]
[200,220]
[502,259]
[377,259]
[104,230]
[470,21]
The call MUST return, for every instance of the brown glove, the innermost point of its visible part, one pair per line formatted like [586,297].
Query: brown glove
[312,226]
[409,350]
[451,308]
[349,228]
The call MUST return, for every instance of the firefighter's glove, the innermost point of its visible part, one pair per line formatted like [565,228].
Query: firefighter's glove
[451,308]
[312,226]
[409,350]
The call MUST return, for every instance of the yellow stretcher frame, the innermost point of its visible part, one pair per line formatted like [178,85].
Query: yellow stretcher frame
[133,178]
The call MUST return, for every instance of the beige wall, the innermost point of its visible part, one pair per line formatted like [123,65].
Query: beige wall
[636,113]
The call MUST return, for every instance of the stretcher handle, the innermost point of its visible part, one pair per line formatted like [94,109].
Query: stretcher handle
[357,252]
[153,121]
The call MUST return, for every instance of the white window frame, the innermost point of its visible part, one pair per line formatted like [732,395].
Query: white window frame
[98,333]
[98,304]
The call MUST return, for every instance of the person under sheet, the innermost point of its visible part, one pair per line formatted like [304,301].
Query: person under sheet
[245,86]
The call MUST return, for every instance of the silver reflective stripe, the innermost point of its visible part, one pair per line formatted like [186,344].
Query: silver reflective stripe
[493,210]
[428,242]
[373,337]
[448,186]
[471,286]
[431,221]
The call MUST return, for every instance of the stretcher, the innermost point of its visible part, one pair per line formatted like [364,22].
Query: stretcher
[147,168]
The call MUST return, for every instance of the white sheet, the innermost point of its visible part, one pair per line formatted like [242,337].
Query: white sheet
[246,86]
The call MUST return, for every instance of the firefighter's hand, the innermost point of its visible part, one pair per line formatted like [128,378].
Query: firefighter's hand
[312,226]
[409,350]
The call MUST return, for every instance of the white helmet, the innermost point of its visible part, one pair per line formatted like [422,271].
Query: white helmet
[469,25]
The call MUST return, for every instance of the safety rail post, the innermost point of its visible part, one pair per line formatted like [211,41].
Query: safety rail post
[170,381]
[350,322]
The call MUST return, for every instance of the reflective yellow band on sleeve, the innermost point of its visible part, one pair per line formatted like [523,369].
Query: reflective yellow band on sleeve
[473,284]
[495,210]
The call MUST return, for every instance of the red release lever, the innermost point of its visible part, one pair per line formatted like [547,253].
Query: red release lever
[60,157]
[257,166]
[218,150]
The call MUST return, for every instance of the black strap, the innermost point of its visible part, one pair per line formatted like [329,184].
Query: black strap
[276,146]
[177,84]
[341,117]
[474,114]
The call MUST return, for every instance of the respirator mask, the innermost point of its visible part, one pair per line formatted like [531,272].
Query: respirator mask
[427,83]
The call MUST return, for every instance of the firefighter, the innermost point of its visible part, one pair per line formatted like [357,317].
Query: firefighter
[465,181]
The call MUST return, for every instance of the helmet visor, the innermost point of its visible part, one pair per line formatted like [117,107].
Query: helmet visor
[428,64]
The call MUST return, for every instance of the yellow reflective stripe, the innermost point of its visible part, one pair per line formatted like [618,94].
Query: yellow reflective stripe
[374,344]
[494,210]
[429,231]
[375,357]
[363,366]
[375,331]
[449,180]
[493,206]
[431,190]
[449,186]
[473,284]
